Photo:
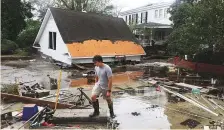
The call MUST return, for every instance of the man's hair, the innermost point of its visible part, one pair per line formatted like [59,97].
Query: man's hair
[97,58]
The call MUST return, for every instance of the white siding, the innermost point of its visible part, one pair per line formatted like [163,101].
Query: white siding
[61,47]
[162,20]
[151,13]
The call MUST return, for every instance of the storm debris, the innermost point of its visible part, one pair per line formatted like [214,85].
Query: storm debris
[190,123]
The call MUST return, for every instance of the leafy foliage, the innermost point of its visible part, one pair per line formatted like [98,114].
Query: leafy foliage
[14,13]
[27,36]
[8,46]
[10,89]
[41,7]
[97,6]
[197,25]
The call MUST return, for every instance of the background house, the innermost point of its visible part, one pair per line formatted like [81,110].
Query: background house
[75,37]
[150,23]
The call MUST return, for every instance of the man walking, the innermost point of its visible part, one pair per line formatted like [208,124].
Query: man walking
[103,85]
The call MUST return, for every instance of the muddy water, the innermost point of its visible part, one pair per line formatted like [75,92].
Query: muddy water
[35,72]
[142,111]
[148,116]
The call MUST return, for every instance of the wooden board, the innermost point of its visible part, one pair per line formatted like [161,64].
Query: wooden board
[188,86]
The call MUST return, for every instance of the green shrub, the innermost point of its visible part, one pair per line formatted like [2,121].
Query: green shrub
[10,89]
[26,37]
[21,52]
[8,47]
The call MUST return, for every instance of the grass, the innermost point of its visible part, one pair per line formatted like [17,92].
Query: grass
[10,89]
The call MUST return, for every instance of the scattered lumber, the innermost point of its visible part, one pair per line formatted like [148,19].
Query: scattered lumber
[188,86]
[34,101]
[216,104]
[208,102]
[187,113]
[196,101]
[189,100]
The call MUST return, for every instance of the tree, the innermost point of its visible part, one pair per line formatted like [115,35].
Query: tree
[14,13]
[196,26]
[41,7]
[181,14]
[98,6]
[27,36]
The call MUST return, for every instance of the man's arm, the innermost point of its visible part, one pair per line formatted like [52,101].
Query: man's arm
[96,79]
[96,76]
[109,76]
[110,83]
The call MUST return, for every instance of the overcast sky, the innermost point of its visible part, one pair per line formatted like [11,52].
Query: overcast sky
[130,4]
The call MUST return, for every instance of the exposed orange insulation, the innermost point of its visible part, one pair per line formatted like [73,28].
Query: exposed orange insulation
[90,48]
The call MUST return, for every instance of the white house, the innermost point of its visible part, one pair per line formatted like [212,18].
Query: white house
[75,37]
[153,16]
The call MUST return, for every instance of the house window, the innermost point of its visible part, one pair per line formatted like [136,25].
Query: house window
[165,13]
[129,19]
[144,17]
[160,13]
[159,35]
[126,19]
[52,40]
[141,17]
[136,19]
[133,19]
[156,13]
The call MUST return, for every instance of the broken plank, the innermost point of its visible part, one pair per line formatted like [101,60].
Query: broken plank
[188,86]
[188,113]
[34,101]
[216,104]
[171,87]
[189,100]
[196,101]
[208,102]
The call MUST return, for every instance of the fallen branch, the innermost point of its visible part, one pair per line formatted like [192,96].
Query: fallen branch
[189,100]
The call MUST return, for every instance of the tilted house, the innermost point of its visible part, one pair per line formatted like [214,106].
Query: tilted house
[75,37]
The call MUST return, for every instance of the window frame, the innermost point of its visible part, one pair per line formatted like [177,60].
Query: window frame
[156,13]
[160,13]
[165,12]
[52,39]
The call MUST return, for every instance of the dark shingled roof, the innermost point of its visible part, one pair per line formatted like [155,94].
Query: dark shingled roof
[79,26]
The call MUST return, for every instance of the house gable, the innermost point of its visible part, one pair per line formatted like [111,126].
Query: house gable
[60,51]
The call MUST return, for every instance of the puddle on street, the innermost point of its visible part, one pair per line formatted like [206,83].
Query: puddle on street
[144,111]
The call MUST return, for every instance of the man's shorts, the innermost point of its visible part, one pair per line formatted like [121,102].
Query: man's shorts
[97,90]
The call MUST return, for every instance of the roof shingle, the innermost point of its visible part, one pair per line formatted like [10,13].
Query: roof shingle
[80,26]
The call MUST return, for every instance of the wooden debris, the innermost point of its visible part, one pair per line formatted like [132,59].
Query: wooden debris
[196,101]
[188,86]
[34,101]
[207,102]
[216,104]
[190,123]
[191,101]
[187,113]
